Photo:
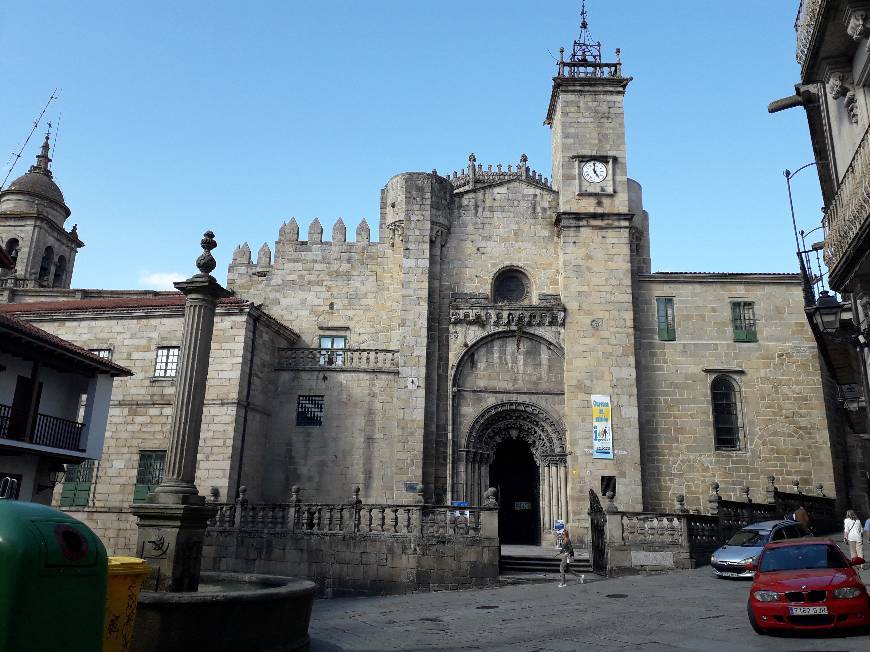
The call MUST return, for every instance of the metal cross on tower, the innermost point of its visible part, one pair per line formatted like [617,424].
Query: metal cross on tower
[585,49]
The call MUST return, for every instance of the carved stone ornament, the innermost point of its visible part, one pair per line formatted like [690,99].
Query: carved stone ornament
[397,232]
[500,317]
[206,262]
[597,324]
[857,23]
[840,85]
[517,420]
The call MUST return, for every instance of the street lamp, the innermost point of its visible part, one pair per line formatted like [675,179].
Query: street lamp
[826,313]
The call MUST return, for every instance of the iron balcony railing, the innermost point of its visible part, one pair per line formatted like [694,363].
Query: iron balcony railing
[849,211]
[49,431]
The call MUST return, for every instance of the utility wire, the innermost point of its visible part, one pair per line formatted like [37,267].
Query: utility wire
[36,122]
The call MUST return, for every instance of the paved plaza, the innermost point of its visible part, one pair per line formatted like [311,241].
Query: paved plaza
[686,610]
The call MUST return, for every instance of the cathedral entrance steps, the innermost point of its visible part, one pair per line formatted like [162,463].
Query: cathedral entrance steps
[538,559]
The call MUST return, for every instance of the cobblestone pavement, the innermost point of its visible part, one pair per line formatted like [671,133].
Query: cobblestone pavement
[686,610]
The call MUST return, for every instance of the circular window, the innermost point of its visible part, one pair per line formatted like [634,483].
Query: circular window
[511,286]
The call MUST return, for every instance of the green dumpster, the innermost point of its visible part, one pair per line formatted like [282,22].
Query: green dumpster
[52,581]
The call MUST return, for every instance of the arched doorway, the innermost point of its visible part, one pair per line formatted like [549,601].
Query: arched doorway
[521,447]
[515,475]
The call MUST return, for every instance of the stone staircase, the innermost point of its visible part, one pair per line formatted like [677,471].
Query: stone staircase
[533,561]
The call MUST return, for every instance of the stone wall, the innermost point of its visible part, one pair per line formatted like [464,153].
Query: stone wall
[784,429]
[354,548]
[140,413]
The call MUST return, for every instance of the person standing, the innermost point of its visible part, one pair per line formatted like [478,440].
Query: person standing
[802,516]
[853,535]
[566,554]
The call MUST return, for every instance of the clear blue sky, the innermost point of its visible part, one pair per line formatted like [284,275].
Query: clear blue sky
[235,116]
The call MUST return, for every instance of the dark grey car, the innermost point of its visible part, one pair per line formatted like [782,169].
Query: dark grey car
[745,546]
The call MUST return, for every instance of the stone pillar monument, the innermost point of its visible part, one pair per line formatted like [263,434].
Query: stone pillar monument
[173,519]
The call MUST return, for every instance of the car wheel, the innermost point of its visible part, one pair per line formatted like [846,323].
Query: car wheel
[753,622]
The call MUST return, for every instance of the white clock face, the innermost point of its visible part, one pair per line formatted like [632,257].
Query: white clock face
[594,171]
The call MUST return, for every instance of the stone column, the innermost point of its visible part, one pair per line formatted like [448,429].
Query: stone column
[172,521]
[547,497]
[563,491]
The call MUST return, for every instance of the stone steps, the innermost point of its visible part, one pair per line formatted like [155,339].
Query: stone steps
[530,564]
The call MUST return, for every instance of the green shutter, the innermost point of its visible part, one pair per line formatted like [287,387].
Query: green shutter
[665,319]
[743,320]
[76,490]
[141,491]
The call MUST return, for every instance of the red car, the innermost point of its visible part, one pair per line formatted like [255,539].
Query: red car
[806,584]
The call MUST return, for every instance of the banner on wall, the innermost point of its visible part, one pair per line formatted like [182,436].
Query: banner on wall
[602,428]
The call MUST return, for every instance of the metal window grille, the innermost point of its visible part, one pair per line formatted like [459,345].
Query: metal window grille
[106,354]
[331,350]
[149,474]
[726,422]
[167,362]
[665,318]
[77,482]
[743,320]
[309,411]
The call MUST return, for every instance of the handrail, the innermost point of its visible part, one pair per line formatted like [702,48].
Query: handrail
[53,432]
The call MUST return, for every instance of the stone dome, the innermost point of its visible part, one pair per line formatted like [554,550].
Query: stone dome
[36,183]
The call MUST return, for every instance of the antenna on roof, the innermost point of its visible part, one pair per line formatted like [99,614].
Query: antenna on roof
[56,130]
[36,122]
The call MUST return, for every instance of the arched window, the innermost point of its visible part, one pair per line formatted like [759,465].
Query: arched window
[59,272]
[725,397]
[45,265]
[510,286]
[12,248]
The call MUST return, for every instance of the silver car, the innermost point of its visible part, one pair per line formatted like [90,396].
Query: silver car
[745,546]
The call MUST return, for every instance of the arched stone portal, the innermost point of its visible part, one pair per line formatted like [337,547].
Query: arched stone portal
[502,441]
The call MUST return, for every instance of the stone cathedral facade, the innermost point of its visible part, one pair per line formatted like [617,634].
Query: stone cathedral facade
[505,330]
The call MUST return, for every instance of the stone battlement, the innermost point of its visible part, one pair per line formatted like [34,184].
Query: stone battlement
[475,176]
[288,235]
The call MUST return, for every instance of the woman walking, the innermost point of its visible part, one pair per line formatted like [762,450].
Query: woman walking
[853,535]
[566,553]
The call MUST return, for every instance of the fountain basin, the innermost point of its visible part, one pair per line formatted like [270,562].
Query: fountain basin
[231,611]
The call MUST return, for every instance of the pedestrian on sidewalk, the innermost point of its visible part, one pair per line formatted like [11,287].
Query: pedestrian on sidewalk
[802,516]
[566,553]
[853,535]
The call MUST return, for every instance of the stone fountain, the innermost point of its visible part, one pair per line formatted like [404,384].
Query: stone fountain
[181,608]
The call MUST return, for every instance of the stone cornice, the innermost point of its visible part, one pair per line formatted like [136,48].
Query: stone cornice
[593,220]
[586,85]
[721,277]
[507,315]
[33,219]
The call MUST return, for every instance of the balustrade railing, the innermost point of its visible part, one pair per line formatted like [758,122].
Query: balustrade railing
[589,69]
[849,211]
[53,432]
[384,360]
[322,518]
[654,529]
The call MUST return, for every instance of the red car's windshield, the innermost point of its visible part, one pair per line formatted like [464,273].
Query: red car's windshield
[790,558]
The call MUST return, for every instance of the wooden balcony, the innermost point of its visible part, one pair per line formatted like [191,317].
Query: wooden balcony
[847,217]
[49,431]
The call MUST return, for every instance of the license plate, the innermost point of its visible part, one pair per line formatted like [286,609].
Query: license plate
[807,611]
[728,574]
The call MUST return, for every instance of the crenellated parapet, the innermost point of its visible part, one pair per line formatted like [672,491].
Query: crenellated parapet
[475,176]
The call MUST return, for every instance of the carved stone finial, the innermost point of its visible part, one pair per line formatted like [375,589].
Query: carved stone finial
[472,158]
[206,262]
[294,494]
[74,231]
[820,489]
[745,491]
[611,508]
[421,498]
[243,496]
[796,483]
[215,494]
[489,497]
[523,159]
[355,497]
[681,504]
[771,489]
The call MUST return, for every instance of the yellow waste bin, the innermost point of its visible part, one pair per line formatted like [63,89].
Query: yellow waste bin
[126,575]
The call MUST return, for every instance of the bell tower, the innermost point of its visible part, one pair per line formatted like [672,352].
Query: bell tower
[32,231]
[586,115]
[587,119]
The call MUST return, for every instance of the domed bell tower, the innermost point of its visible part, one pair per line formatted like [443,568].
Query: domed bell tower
[586,117]
[32,232]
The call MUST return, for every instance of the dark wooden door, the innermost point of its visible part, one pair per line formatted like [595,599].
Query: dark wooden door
[515,474]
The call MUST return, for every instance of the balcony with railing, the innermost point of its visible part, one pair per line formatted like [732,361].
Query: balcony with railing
[847,217]
[372,360]
[48,431]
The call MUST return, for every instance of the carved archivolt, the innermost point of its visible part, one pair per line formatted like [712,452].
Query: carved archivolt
[518,420]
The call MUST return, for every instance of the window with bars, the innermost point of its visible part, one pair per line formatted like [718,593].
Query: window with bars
[309,411]
[77,482]
[149,474]
[331,350]
[166,365]
[665,319]
[106,354]
[743,320]
[726,413]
